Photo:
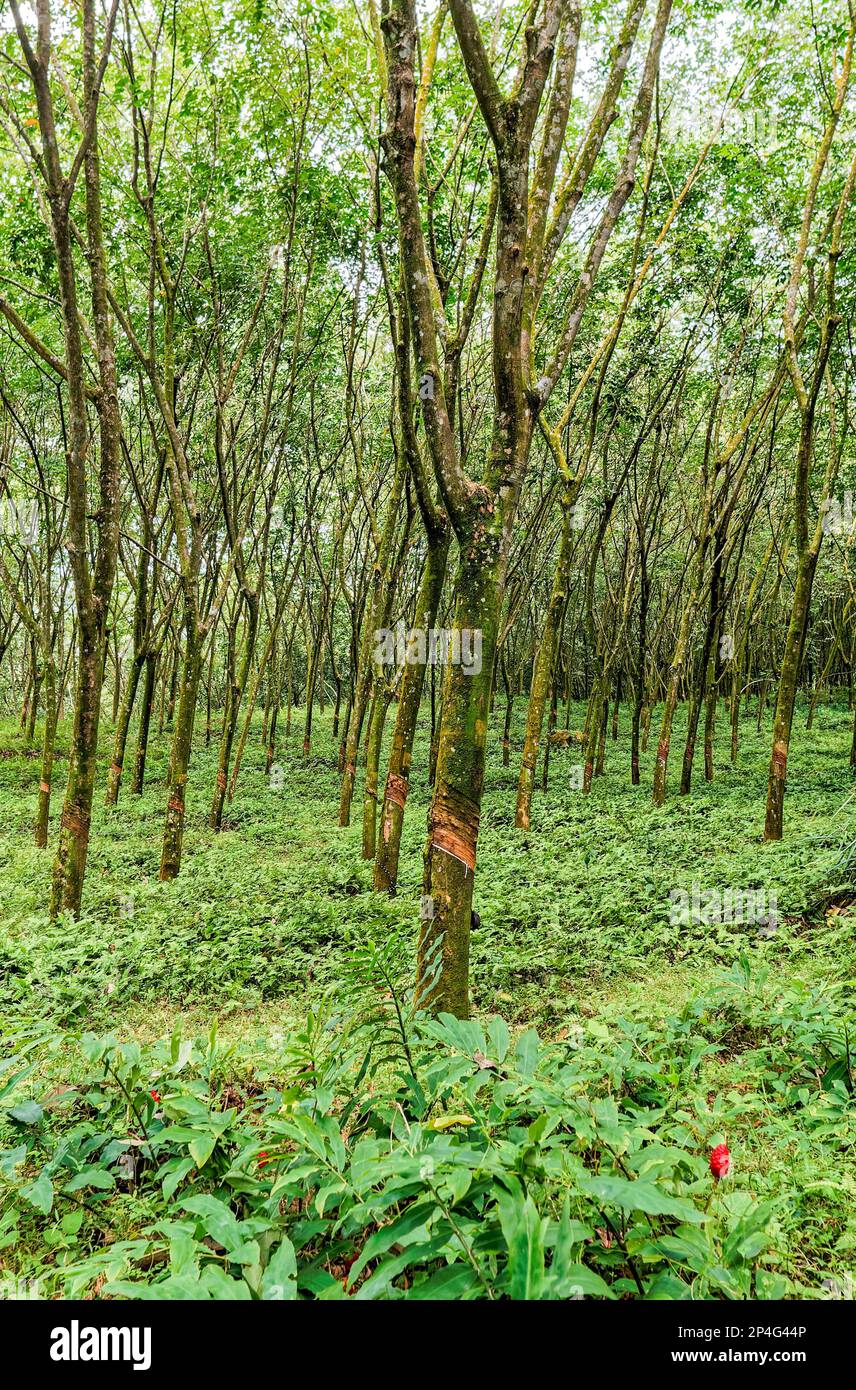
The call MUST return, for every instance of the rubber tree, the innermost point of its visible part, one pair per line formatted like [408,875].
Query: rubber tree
[530,227]
[283,574]
[572,483]
[144,622]
[35,606]
[807,386]
[378,600]
[722,473]
[382,690]
[438,534]
[438,539]
[249,475]
[93,578]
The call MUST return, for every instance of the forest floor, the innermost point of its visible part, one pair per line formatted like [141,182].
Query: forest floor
[577,939]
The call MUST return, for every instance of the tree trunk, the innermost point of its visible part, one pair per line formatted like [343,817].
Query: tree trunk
[543,675]
[551,724]
[506,726]
[736,675]
[710,710]
[33,711]
[230,717]
[114,776]
[70,864]
[373,618]
[179,762]
[380,706]
[145,724]
[786,696]
[450,854]
[48,745]
[409,700]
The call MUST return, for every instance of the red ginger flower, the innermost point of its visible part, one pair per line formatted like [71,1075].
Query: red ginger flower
[720,1162]
[263,1160]
[155,1095]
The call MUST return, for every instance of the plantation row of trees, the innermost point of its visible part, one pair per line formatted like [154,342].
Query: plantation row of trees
[326,332]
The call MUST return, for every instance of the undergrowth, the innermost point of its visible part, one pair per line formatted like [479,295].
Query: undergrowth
[556,1146]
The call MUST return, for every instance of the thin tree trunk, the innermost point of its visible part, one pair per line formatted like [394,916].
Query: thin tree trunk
[145,724]
[70,863]
[179,763]
[114,776]
[380,706]
[230,719]
[48,746]
[786,696]
[509,705]
[410,697]
[450,855]
[544,665]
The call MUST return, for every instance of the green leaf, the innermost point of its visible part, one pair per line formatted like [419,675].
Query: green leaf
[223,1227]
[640,1196]
[279,1281]
[752,1245]
[29,1112]
[523,1229]
[16,1080]
[579,1281]
[455,1281]
[563,1270]
[175,1176]
[12,1159]
[202,1148]
[410,1226]
[40,1194]
[497,1032]
[527,1051]
[90,1177]
[668,1287]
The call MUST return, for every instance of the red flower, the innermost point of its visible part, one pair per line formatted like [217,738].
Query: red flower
[155,1095]
[263,1159]
[720,1162]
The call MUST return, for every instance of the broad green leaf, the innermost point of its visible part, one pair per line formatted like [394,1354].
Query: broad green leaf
[527,1051]
[202,1148]
[40,1193]
[279,1281]
[523,1229]
[90,1177]
[641,1196]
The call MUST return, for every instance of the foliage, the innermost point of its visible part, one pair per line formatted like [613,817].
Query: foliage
[501,1166]
[263,911]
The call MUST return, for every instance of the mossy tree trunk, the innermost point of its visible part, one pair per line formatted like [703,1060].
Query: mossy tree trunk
[93,582]
[529,232]
[409,700]
[179,763]
[544,666]
[146,705]
[807,391]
